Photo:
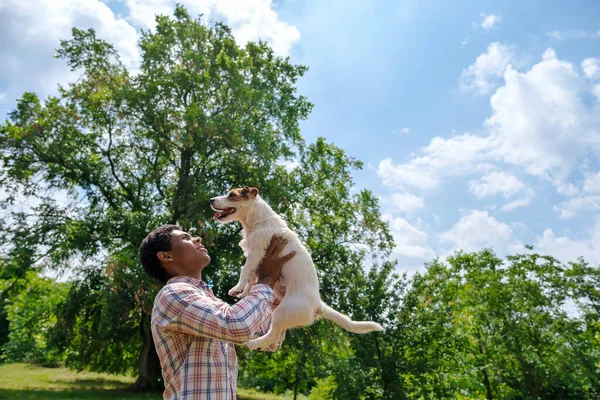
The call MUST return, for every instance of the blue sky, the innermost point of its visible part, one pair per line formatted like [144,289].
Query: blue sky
[477,121]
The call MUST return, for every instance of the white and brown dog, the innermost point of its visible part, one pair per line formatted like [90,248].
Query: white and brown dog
[299,291]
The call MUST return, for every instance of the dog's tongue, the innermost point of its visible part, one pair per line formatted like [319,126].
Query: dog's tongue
[217,215]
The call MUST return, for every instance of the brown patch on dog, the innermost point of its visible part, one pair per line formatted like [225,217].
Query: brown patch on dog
[240,194]
[236,195]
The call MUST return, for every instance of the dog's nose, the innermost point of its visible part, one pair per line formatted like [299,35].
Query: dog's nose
[212,201]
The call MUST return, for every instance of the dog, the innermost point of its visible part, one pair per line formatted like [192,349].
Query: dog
[298,287]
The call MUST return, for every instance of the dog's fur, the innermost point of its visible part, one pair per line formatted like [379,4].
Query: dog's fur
[298,288]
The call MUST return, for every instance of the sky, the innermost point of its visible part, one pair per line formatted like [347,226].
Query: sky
[477,121]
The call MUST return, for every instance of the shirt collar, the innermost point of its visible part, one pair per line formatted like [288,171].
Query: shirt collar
[188,279]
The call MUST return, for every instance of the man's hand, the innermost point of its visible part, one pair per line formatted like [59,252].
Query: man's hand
[270,266]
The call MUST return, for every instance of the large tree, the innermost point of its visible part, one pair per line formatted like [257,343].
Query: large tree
[134,149]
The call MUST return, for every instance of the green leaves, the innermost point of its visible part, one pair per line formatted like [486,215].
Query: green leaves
[498,329]
[31,315]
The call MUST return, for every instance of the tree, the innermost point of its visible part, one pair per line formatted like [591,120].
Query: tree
[375,362]
[31,314]
[490,328]
[135,150]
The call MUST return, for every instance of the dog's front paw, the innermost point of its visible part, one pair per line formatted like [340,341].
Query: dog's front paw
[246,290]
[236,291]
[253,344]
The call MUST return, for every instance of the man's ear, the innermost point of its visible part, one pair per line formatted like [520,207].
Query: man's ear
[164,256]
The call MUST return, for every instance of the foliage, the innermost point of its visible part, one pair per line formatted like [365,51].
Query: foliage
[323,390]
[31,314]
[372,369]
[482,327]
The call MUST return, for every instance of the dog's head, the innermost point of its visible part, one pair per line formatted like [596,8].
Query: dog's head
[233,206]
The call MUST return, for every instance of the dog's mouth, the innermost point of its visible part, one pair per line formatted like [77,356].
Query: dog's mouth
[222,213]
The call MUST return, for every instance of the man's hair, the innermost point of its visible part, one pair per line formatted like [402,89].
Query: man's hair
[157,240]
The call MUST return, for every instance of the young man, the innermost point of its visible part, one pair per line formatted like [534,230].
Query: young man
[194,331]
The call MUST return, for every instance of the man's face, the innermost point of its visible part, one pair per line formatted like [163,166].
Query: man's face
[187,255]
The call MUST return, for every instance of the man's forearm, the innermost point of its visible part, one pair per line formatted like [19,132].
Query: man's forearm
[209,317]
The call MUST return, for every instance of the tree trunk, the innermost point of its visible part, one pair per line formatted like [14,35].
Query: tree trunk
[297,380]
[381,366]
[486,380]
[149,373]
[488,386]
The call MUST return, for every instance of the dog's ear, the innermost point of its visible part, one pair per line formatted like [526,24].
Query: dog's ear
[251,190]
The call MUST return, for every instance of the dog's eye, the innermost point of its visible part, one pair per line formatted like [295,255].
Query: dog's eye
[231,194]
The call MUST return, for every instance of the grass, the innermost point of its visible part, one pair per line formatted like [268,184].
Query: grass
[31,382]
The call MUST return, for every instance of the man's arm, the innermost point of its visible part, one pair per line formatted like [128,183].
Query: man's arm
[183,308]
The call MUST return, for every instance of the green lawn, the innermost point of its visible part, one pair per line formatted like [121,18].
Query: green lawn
[30,382]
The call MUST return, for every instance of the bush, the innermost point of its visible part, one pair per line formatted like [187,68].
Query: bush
[31,313]
[323,390]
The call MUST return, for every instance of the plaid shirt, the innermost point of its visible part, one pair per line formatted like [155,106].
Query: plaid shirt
[194,333]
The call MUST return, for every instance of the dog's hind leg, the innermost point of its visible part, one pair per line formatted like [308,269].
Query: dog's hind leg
[282,336]
[292,312]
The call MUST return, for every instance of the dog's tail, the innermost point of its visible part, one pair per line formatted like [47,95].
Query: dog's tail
[342,320]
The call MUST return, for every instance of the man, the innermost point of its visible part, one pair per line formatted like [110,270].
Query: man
[194,331]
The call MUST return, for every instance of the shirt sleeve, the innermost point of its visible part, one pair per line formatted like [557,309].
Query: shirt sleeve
[183,308]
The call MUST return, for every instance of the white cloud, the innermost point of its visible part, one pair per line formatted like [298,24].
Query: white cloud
[411,242]
[505,184]
[477,230]
[591,67]
[32,30]
[464,42]
[459,155]
[592,183]
[518,225]
[401,175]
[517,203]
[407,203]
[596,91]
[578,205]
[496,183]
[572,34]
[490,21]
[566,188]
[539,120]
[568,249]
[483,76]
[249,20]
[404,131]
